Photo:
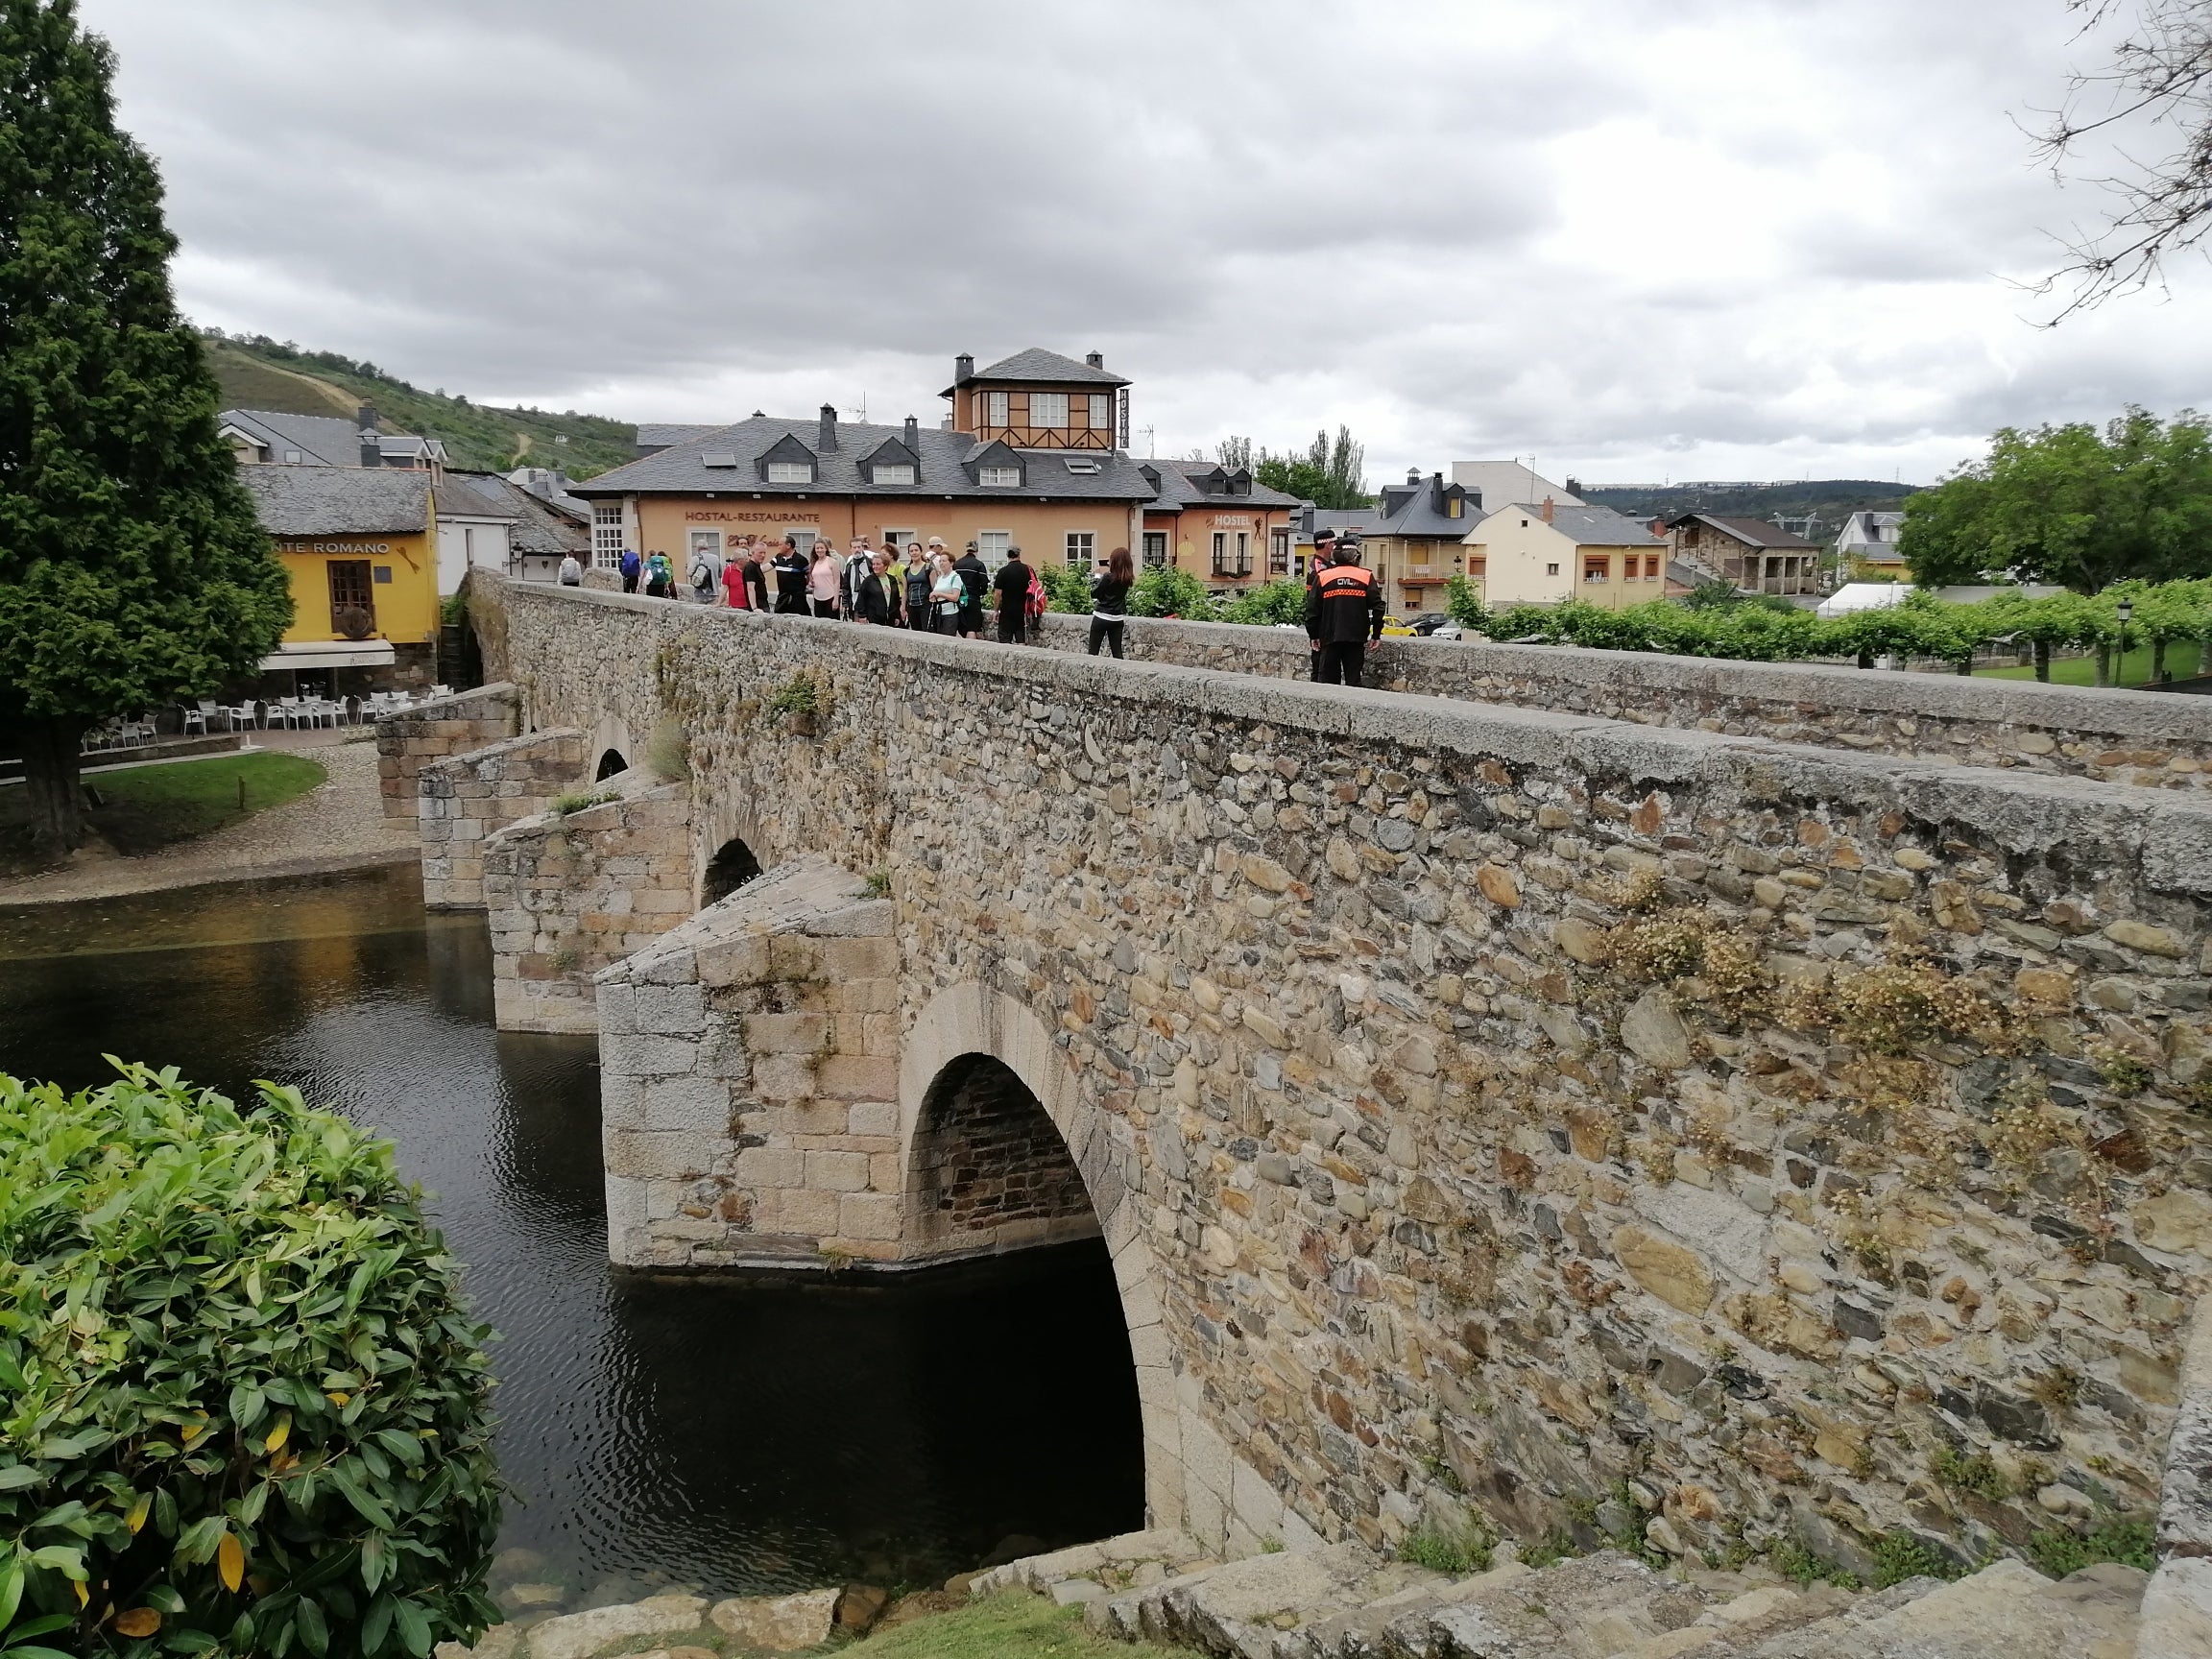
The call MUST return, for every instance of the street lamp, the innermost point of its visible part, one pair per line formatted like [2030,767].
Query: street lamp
[2124,611]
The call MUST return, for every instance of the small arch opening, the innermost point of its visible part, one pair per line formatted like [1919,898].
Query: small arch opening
[730,869]
[990,1170]
[610,763]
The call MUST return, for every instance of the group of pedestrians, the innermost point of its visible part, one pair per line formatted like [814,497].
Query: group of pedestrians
[922,587]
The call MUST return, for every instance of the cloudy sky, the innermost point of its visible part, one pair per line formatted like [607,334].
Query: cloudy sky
[1636,238]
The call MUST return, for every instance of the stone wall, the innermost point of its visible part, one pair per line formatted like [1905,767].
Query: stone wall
[462,800]
[569,893]
[435,730]
[2113,736]
[1601,1125]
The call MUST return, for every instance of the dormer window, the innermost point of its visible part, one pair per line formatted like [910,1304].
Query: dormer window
[890,473]
[1000,477]
[1048,408]
[788,461]
[790,473]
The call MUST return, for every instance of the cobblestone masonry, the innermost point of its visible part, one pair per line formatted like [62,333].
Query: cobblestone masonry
[433,731]
[2120,736]
[1592,1123]
[571,894]
[462,800]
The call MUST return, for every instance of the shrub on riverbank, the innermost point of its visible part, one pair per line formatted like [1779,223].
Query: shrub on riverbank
[241,1405]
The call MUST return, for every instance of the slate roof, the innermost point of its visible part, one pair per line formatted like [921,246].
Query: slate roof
[659,434]
[328,439]
[1179,489]
[679,470]
[533,525]
[306,501]
[1400,514]
[1751,532]
[1591,526]
[1039,367]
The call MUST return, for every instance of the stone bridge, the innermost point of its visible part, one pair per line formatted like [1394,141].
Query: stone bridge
[1709,1101]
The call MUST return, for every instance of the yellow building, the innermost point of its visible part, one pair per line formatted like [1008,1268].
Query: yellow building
[1546,554]
[359,547]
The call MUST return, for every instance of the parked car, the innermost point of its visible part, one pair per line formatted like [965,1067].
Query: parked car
[1436,625]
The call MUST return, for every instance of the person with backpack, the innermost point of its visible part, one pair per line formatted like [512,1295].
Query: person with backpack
[1110,601]
[706,574]
[630,568]
[1012,583]
[572,571]
[947,595]
[659,577]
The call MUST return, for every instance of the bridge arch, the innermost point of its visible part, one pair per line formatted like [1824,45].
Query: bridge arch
[732,865]
[609,743]
[970,1022]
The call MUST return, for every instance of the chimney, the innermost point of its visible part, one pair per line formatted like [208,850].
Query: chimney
[914,437]
[829,439]
[1097,359]
[1547,508]
[963,368]
[371,448]
[1413,475]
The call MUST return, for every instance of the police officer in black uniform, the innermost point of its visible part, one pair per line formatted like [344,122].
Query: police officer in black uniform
[1344,612]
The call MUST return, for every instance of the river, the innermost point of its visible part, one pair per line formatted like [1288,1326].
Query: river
[735,1438]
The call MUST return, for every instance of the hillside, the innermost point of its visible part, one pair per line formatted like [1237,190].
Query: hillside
[1831,499]
[256,373]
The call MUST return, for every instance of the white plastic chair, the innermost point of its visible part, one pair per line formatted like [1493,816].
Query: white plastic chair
[197,715]
[441,690]
[235,714]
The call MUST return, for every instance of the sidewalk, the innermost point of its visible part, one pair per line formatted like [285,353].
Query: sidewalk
[338,826]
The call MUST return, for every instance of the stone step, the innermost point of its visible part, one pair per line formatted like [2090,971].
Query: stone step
[2006,1611]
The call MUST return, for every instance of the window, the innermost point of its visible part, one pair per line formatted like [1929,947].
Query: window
[991,546]
[1082,548]
[1651,572]
[1244,553]
[1595,569]
[893,474]
[897,538]
[1048,408]
[994,408]
[1278,552]
[1452,507]
[1084,468]
[607,534]
[1551,569]
[1478,564]
[790,473]
[1000,477]
[1155,549]
[1101,410]
[292,457]
[1525,525]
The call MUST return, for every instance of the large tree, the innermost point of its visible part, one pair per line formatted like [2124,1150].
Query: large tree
[1330,475]
[132,572]
[2071,505]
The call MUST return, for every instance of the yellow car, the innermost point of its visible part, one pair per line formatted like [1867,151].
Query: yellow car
[1392,627]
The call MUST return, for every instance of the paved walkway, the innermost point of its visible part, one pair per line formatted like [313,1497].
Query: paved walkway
[338,826]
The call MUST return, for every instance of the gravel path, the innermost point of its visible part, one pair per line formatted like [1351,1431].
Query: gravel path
[337,826]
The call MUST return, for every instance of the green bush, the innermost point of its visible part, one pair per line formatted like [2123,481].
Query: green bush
[1067,589]
[1276,602]
[243,1406]
[2059,1551]
[1163,590]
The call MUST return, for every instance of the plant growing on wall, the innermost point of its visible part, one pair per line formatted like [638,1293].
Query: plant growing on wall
[243,1406]
[132,569]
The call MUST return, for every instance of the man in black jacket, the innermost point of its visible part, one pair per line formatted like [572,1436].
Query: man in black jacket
[1344,612]
[976,578]
[1012,585]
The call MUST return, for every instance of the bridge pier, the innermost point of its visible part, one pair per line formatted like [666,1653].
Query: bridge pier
[571,893]
[462,800]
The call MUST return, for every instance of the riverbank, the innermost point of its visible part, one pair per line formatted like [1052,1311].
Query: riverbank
[337,826]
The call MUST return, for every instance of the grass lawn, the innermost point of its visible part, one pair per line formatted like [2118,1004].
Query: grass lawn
[2181,661]
[144,808]
[1016,1625]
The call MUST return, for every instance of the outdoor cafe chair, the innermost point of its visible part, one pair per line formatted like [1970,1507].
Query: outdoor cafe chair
[196,716]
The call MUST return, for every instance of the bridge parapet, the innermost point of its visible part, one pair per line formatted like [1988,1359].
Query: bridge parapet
[1518,1108]
[2114,736]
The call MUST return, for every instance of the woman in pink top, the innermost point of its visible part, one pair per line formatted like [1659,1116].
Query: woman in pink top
[821,579]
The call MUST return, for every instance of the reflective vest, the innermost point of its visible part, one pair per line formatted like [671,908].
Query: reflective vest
[1346,582]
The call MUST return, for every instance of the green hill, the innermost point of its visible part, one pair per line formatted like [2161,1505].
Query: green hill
[257,373]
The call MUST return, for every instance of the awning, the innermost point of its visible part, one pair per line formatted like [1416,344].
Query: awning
[331,654]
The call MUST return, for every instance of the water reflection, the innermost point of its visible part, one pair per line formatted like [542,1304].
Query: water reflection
[737,1437]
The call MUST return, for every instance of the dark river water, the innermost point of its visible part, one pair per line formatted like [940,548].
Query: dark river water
[733,1436]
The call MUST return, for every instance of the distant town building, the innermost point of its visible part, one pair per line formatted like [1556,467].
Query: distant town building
[1032,457]
[1544,552]
[1869,539]
[492,523]
[267,437]
[1412,537]
[359,546]
[1754,555]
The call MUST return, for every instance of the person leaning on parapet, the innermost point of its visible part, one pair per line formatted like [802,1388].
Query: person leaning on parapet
[1324,555]
[1343,612]
[630,568]
[976,578]
[790,567]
